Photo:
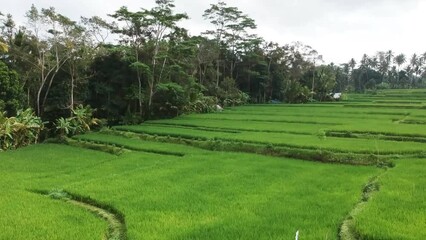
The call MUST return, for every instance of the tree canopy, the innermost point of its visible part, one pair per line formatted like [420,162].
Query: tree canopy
[156,69]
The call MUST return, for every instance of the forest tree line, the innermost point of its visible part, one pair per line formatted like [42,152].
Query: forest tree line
[155,69]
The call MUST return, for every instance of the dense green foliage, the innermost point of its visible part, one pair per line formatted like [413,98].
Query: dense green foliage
[11,95]
[19,131]
[80,122]
[156,69]
[203,176]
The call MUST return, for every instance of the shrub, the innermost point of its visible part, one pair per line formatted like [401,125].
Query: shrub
[230,95]
[203,104]
[81,122]
[169,100]
[19,131]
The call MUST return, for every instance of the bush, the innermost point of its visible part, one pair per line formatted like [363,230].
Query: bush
[203,104]
[19,131]
[230,95]
[294,92]
[383,85]
[81,122]
[169,100]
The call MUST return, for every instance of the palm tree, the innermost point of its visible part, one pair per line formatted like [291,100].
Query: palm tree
[352,64]
[424,64]
[365,65]
[373,63]
[384,64]
[345,70]
[415,67]
[389,56]
[399,60]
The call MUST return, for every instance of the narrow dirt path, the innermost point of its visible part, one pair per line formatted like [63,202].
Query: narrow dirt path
[347,230]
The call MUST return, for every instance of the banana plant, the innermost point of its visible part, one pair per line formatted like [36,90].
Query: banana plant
[83,119]
[64,126]
[19,131]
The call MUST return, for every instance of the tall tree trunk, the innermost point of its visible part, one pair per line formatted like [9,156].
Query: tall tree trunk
[217,72]
[53,74]
[162,69]
[139,78]
[140,94]
[151,94]
[72,70]
[313,84]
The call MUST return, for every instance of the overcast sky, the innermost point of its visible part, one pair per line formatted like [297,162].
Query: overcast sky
[337,29]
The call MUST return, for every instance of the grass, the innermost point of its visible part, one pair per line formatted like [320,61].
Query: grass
[337,144]
[398,210]
[205,195]
[26,215]
[167,184]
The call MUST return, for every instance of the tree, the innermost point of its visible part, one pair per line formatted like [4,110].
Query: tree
[170,100]
[342,77]
[111,85]
[11,94]
[274,57]
[7,29]
[315,58]
[148,28]
[207,52]
[231,27]
[133,34]
[399,60]
[76,45]
[415,68]
[326,82]
[47,36]
[162,24]
[352,64]
[97,28]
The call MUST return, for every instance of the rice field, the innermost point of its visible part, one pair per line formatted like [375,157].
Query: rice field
[346,170]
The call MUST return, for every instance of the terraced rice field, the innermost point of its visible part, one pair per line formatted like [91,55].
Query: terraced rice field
[346,170]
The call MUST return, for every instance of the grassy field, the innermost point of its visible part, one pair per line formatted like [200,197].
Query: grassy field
[196,177]
[397,211]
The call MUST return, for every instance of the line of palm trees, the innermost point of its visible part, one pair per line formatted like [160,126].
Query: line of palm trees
[387,63]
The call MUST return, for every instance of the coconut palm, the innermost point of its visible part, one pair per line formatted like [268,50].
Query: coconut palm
[399,60]
[389,56]
[373,62]
[365,65]
[415,67]
[352,64]
[424,65]
[384,64]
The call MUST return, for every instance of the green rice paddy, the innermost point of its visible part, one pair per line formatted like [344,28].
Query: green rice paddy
[238,174]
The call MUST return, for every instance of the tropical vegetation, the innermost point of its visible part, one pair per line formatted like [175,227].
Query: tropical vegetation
[155,69]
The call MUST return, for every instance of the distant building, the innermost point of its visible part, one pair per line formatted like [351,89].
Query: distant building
[337,96]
